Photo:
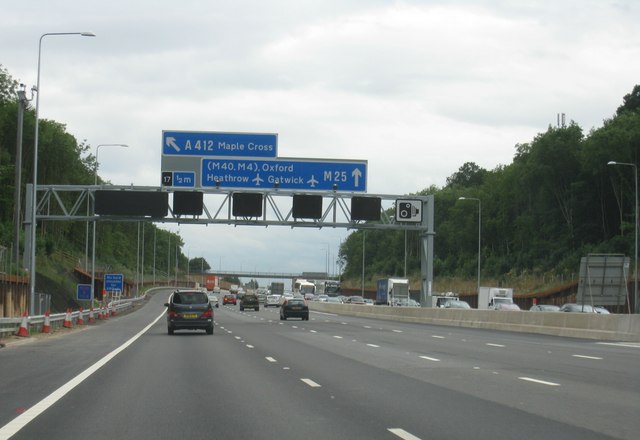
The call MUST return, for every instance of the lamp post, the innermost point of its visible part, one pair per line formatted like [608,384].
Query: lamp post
[479,232]
[34,204]
[93,247]
[635,271]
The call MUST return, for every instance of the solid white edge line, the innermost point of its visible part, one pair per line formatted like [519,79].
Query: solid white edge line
[311,383]
[542,382]
[494,345]
[373,345]
[430,358]
[23,419]
[402,434]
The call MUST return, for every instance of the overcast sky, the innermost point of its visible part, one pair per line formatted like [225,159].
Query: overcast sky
[416,88]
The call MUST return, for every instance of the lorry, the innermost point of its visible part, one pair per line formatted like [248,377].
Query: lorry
[490,297]
[441,300]
[277,288]
[211,282]
[392,291]
[304,287]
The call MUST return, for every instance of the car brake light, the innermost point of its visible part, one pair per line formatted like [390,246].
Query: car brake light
[173,314]
[208,314]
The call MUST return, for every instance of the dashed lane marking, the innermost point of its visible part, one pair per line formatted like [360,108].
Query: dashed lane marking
[311,383]
[270,359]
[595,358]
[495,345]
[430,358]
[404,435]
[538,381]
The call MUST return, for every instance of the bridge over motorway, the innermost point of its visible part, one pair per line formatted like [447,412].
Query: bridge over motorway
[272,275]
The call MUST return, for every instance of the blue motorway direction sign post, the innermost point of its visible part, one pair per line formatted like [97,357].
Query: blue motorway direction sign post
[296,174]
[113,282]
[83,292]
[207,143]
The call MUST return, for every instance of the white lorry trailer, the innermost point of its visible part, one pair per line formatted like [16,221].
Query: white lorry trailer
[392,291]
[489,297]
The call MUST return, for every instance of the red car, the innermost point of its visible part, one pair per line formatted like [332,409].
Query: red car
[229,299]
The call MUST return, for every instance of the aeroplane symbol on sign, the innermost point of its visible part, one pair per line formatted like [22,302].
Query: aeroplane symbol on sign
[171,142]
[257,180]
[312,181]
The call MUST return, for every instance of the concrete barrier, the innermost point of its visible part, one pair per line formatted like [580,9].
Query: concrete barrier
[576,325]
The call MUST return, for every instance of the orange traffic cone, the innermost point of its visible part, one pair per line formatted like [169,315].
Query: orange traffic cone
[67,320]
[106,312]
[24,326]
[91,317]
[46,327]
[80,320]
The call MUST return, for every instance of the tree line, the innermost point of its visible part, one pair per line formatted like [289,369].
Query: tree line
[557,201]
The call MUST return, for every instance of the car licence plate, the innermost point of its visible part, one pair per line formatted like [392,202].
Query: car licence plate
[190,315]
[296,308]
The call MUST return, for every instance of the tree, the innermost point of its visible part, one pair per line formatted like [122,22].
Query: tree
[468,175]
[198,265]
[630,102]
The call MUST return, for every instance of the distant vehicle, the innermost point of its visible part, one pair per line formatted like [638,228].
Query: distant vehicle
[355,300]
[407,302]
[457,304]
[213,299]
[577,308]
[211,282]
[334,300]
[272,301]
[391,291]
[544,308]
[332,287]
[442,299]
[601,310]
[490,297]
[506,306]
[262,293]
[368,301]
[322,298]
[304,287]
[249,301]
[229,298]
[189,310]
[294,308]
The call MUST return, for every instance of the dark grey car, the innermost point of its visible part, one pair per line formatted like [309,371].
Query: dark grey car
[189,310]
[249,301]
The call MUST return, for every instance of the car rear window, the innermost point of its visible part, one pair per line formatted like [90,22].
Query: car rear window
[190,298]
[296,301]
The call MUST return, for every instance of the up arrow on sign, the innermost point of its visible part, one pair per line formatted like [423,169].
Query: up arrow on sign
[356,174]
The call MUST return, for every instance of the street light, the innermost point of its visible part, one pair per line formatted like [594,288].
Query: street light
[479,233]
[93,246]
[32,268]
[635,271]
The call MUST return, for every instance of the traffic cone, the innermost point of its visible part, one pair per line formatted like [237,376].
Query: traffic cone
[80,320]
[24,326]
[46,327]
[106,312]
[113,309]
[67,320]
[92,319]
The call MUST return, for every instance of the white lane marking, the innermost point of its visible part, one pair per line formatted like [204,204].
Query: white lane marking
[373,345]
[397,331]
[250,346]
[404,435]
[294,326]
[238,337]
[430,358]
[21,421]
[270,359]
[367,326]
[437,336]
[312,331]
[343,323]
[621,344]
[494,345]
[311,383]
[338,337]
[595,358]
[541,382]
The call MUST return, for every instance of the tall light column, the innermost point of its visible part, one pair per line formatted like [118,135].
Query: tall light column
[479,233]
[93,247]
[34,201]
[635,270]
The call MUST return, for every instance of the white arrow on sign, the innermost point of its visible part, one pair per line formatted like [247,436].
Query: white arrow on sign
[171,142]
[356,174]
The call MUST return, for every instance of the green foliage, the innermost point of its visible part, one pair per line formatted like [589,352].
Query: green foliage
[198,265]
[62,160]
[557,201]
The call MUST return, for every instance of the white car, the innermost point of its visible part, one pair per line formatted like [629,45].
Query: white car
[272,300]
[213,299]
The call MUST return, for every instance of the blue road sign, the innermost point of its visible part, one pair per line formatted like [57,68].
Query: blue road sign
[207,143]
[316,175]
[83,292]
[113,282]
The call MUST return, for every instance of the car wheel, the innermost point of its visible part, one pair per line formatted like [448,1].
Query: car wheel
[257,309]
[210,330]
[241,309]
[169,330]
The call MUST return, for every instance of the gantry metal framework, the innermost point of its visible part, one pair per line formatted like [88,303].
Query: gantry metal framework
[76,203]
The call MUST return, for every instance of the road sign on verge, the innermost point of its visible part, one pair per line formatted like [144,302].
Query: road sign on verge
[83,292]
[208,143]
[302,174]
[113,282]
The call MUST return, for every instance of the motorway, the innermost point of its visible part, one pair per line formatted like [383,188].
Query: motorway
[332,377]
